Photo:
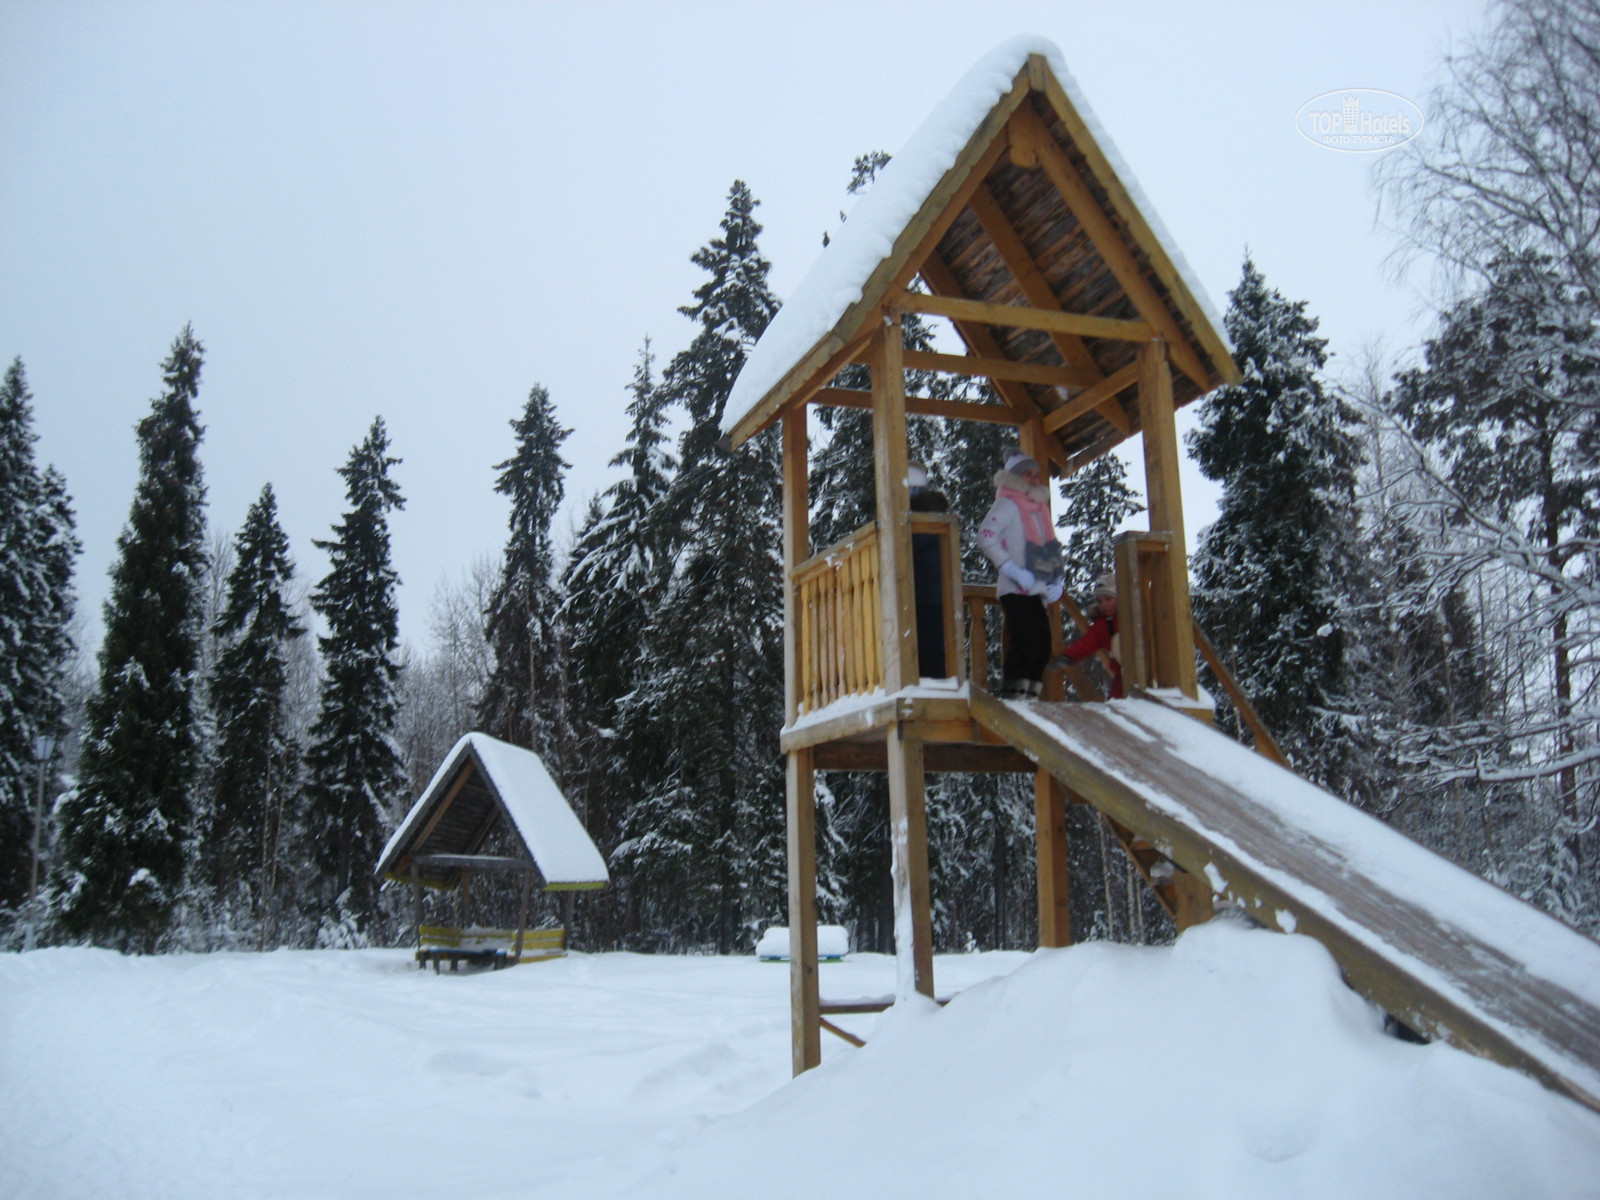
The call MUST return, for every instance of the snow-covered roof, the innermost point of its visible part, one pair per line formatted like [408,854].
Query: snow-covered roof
[539,813]
[842,271]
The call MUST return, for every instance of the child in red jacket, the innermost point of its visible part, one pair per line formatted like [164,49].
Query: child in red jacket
[1102,634]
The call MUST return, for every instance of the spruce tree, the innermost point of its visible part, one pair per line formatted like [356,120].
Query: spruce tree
[1270,574]
[519,701]
[256,754]
[702,841]
[37,550]
[354,767]
[123,830]
[614,573]
[1095,501]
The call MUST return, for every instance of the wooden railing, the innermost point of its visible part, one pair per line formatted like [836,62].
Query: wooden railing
[838,610]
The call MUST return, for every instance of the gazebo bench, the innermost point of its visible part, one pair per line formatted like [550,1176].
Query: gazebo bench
[494,948]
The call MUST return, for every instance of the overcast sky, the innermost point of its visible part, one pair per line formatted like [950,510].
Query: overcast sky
[420,210]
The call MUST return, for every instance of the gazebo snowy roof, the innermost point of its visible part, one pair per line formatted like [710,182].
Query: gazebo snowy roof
[1031,235]
[483,779]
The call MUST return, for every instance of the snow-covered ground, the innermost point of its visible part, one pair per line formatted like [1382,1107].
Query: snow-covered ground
[1234,1064]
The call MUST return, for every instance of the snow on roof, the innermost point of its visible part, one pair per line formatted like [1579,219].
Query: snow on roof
[841,271]
[561,847]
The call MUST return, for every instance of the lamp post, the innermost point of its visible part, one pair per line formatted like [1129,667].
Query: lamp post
[43,747]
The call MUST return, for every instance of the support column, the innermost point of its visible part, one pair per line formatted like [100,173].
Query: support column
[908,836]
[800,778]
[899,616]
[1174,633]
[805,1005]
[1050,822]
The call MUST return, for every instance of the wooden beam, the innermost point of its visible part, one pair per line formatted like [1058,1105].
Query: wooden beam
[1044,374]
[1118,258]
[1045,83]
[1101,396]
[1050,842]
[1019,316]
[937,275]
[898,615]
[1265,744]
[804,997]
[796,549]
[921,406]
[1173,626]
[908,838]
[1042,296]
[970,758]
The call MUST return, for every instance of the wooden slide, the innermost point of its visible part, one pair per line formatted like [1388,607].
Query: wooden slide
[1450,955]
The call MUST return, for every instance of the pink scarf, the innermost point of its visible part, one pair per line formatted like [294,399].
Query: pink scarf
[1036,527]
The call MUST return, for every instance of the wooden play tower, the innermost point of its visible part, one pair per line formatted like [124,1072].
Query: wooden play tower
[1011,209]
[1074,310]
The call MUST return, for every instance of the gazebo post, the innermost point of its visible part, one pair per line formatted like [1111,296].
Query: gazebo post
[522,919]
[805,1006]
[416,905]
[908,820]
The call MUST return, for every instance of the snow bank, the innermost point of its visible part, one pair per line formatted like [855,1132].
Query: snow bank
[839,275]
[1235,1064]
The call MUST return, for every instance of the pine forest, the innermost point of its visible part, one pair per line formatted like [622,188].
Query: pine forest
[1402,575]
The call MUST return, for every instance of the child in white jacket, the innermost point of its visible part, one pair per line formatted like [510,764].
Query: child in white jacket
[1019,537]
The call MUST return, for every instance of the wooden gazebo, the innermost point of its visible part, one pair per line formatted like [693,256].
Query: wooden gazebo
[490,809]
[1026,233]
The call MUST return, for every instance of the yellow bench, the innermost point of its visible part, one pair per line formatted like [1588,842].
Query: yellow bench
[496,947]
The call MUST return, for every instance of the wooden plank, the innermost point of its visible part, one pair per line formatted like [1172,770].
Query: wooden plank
[804,1018]
[911,247]
[1171,623]
[1097,397]
[908,836]
[1050,846]
[1043,374]
[921,406]
[1210,338]
[1118,258]
[1021,316]
[796,549]
[897,614]
[840,1033]
[873,715]
[938,758]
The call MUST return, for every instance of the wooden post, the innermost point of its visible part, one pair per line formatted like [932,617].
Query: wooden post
[1050,819]
[899,615]
[1132,617]
[1193,902]
[908,836]
[805,1009]
[796,549]
[1172,624]
[805,1006]
[522,920]
[416,904]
